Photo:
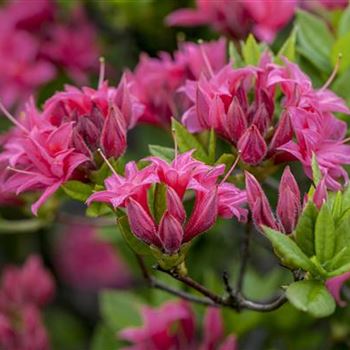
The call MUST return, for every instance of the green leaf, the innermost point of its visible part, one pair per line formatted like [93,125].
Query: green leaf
[341,47]
[314,40]
[311,297]
[104,339]
[337,207]
[288,48]
[212,146]
[324,235]
[316,172]
[166,153]
[251,51]
[341,85]
[234,55]
[342,233]
[119,309]
[96,209]
[77,190]
[344,23]
[159,202]
[226,159]
[289,253]
[341,259]
[186,142]
[304,232]
[135,244]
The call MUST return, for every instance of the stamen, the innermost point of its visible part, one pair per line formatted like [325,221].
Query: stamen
[12,118]
[205,58]
[107,162]
[20,171]
[334,73]
[101,77]
[346,140]
[231,169]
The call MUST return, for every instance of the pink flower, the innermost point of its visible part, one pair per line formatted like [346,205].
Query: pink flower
[88,263]
[21,69]
[288,206]
[172,326]
[334,286]
[101,116]
[238,18]
[23,292]
[221,102]
[30,284]
[157,80]
[43,161]
[184,173]
[73,46]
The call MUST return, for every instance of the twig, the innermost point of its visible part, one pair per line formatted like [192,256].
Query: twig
[154,283]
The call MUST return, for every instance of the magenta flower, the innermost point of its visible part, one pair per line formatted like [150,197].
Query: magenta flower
[22,71]
[221,102]
[172,327]
[73,46]
[157,80]
[288,206]
[87,263]
[44,161]
[23,292]
[184,173]
[238,18]
[334,286]
[102,117]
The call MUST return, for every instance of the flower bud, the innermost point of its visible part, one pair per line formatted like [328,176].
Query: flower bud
[141,223]
[170,233]
[288,206]
[113,136]
[252,146]
[236,121]
[258,203]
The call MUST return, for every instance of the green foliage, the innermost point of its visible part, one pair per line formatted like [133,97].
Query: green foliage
[316,172]
[119,309]
[288,47]
[324,235]
[315,40]
[312,297]
[165,153]
[304,232]
[251,51]
[187,141]
[159,201]
[77,190]
[289,252]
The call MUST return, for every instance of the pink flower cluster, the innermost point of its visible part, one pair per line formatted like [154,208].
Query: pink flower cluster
[34,43]
[221,102]
[173,327]
[47,148]
[86,262]
[288,206]
[157,80]
[23,292]
[184,173]
[237,18]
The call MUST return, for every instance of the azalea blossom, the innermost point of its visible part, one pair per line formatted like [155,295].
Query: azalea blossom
[221,102]
[316,128]
[157,80]
[238,18]
[173,327]
[288,206]
[102,117]
[23,292]
[172,229]
[87,263]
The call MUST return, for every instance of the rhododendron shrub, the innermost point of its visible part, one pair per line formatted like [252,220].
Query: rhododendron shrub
[200,196]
